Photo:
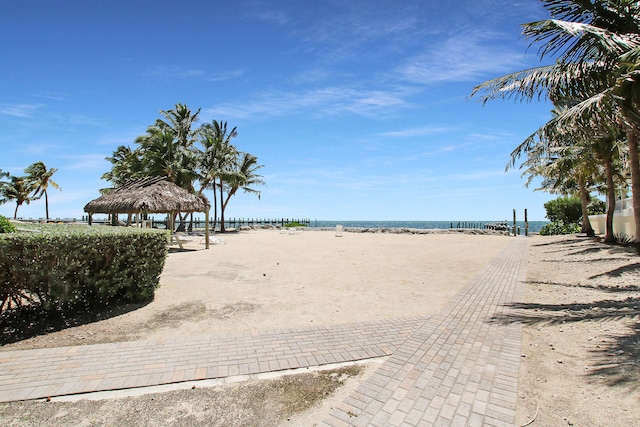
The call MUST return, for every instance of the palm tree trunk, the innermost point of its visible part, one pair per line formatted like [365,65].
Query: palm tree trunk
[585,196]
[611,201]
[215,206]
[15,213]
[221,209]
[632,139]
[46,204]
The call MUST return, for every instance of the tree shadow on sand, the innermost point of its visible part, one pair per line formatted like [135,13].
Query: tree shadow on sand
[618,358]
[33,320]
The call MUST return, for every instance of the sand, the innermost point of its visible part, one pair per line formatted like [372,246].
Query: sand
[580,360]
[264,279]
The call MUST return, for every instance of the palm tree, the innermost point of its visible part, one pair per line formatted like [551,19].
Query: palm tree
[40,178]
[2,184]
[126,164]
[19,188]
[180,123]
[244,176]
[162,155]
[217,161]
[598,48]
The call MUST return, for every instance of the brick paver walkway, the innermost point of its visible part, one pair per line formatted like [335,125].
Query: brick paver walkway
[457,367]
[460,368]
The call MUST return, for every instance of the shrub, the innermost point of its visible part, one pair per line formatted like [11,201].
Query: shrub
[559,227]
[564,209]
[596,206]
[294,224]
[73,265]
[6,226]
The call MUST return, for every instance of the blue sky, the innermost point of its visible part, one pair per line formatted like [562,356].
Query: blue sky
[357,109]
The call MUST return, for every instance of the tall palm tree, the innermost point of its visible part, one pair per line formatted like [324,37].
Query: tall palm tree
[19,188]
[2,184]
[598,49]
[40,177]
[180,122]
[244,176]
[217,161]
[126,164]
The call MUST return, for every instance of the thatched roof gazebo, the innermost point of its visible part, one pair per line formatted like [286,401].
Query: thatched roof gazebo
[150,195]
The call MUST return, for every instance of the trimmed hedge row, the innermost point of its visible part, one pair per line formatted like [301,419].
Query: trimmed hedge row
[62,265]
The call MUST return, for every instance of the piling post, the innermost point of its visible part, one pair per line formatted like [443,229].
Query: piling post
[526,223]
[514,222]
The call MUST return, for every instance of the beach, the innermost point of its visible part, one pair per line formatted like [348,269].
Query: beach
[579,364]
[268,279]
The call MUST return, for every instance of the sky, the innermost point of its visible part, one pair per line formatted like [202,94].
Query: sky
[358,110]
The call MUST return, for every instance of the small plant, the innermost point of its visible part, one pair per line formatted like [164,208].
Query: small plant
[6,226]
[624,239]
[294,224]
[559,227]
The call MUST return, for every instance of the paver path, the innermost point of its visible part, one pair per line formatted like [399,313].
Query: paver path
[458,367]
[32,374]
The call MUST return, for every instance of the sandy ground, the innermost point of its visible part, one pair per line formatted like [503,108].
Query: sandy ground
[580,353]
[580,360]
[263,279]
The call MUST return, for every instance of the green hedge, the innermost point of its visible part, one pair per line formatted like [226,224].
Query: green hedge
[63,265]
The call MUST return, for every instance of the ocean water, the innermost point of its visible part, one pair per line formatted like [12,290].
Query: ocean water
[534,226]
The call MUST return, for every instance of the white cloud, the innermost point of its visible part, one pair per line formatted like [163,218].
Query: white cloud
[419,131]
[87,162]
[173,72]
[460,58]
[321,101]
[219,77]
[20,110]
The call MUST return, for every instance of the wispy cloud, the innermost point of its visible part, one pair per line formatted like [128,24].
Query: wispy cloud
[274,16]
[320,101]
[20,110]
[180,73]
[173,72]
[419,131]
[360,34]
[86,162]
[54,96]
[79,120]
[477,175]
[219,77]
[461,58]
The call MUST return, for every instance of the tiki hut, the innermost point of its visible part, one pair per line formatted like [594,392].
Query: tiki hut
[150,195]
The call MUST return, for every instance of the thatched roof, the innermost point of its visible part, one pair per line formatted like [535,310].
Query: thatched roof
[153,195]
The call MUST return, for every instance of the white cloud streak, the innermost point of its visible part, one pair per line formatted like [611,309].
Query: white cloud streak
[20,110]
[460,58]
[321,101]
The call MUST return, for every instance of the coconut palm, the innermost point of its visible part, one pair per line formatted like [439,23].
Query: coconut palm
[162,155]
[217,161]
[2,184]
[19,188]
[598,49]
[40,178]
[126,164]
[244,177]
[180,123]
